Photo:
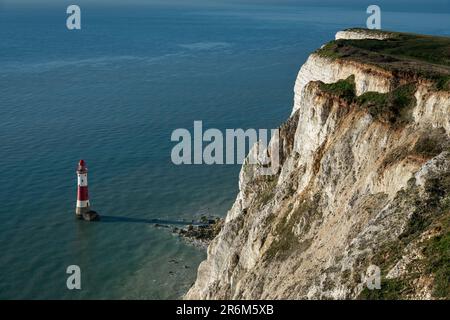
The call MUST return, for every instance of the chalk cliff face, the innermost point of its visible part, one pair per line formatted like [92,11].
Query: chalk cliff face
[364,181]
[360,34]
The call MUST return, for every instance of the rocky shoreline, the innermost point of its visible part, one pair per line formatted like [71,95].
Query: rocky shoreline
[197,233]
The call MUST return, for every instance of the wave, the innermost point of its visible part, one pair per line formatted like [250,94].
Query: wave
[95,62]
[197,46]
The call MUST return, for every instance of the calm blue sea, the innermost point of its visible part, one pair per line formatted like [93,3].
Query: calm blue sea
[111,94]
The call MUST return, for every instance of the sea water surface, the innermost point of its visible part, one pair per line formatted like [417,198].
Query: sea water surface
[111,94]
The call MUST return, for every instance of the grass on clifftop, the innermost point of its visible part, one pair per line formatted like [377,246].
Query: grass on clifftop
[425,56]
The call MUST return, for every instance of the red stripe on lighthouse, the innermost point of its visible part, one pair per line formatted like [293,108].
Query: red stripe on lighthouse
[82,193]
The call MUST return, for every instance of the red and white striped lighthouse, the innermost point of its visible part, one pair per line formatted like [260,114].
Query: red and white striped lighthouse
[83,206]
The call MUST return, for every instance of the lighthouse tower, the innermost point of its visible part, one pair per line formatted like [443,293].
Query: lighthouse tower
[82,191]
[83,210]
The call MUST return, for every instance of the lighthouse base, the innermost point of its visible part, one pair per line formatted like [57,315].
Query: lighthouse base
[88,216]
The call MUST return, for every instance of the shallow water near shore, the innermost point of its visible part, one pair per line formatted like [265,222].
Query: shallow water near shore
[112,94]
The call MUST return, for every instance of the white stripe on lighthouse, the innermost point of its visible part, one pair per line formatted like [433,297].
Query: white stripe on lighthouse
[82,204]
[82,179]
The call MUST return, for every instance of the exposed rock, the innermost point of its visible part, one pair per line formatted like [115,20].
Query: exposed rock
[200,235]
[90,215]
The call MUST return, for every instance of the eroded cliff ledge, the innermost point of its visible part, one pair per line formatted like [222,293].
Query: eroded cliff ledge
[364,180]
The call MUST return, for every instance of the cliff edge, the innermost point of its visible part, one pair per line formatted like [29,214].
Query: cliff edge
[364,181]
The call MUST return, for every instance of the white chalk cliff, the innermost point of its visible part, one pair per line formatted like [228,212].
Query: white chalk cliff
[356,188]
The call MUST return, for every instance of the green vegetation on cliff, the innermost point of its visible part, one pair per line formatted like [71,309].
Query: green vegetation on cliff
[343,88]
[393,107]
[402,53]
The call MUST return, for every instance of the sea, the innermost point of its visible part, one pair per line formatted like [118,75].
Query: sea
[112,93]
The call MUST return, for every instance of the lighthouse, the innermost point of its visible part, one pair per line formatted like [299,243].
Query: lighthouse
[83,208]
